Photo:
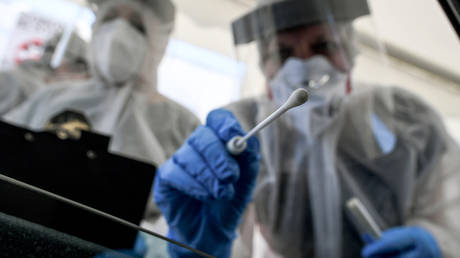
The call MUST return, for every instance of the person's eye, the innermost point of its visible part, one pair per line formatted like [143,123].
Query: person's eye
[140,27]
[136,21]
[109,17]
[325,47]
[284,53]
[80,64]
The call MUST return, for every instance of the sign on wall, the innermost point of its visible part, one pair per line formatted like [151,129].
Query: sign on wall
[27,38]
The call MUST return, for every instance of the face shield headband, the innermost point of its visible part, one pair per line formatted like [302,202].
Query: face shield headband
[266,20]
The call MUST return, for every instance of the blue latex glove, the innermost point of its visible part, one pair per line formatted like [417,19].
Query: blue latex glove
[203,190]
[403,242]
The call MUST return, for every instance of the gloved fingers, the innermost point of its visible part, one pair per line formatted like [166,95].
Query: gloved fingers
[392,241]
[224,123]
[404,242]
[249,167]
[226,126]
[193,163]
[383,247]
[214,154]
[252,152]
[427,246]
[367,238]
[412,253]
[172,181]
[178,195]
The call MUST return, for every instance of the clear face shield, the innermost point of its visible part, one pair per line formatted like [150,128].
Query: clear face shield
[340,146]
[292,35]
[70,53]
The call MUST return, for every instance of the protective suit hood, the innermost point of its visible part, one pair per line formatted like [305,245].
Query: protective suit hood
[158,19]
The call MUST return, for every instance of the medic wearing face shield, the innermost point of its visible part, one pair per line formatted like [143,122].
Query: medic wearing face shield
[382,145]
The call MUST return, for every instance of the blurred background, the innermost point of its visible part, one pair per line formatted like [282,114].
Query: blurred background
[201,71]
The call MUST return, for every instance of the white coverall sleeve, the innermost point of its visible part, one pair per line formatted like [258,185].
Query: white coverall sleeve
[26,114]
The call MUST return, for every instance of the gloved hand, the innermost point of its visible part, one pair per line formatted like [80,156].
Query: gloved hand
[403,242]
[202,190]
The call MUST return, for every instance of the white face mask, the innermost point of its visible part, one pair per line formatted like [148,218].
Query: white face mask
[119,51]
[316,74]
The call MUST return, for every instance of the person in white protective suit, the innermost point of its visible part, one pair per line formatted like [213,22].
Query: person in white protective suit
[20,83]
[121,100]
[382,145]
[129,40]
